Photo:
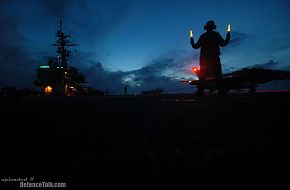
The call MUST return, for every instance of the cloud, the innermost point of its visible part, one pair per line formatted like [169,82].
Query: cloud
[60,9]
[152,76]
[18,61]
[131,80]
[91,20]
[16,65]
[286,68]
[101,79]
[237,38]
[271,64]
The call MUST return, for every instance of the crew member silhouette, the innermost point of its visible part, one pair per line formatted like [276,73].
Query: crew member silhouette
[125,89]
[210,65]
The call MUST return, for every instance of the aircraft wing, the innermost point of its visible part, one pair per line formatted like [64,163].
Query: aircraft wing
[244,78]
[258,75]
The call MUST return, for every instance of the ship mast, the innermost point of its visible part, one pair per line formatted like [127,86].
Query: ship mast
[62,42]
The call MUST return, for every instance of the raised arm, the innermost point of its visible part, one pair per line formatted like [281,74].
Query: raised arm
[223,42]
[195,45]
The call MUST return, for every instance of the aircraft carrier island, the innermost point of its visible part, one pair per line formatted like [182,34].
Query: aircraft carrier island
[57,77]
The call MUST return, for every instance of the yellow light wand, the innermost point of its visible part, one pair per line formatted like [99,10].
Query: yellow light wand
[190,34]
[229,28]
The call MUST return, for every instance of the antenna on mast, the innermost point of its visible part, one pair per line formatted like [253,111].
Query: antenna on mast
[62,42]
[60,25]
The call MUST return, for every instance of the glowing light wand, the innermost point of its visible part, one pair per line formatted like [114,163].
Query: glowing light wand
[190,34]
[229,28]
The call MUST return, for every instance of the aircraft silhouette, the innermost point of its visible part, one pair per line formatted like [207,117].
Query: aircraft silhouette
[245,78]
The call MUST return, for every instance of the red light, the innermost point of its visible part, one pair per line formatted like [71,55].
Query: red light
[195,69]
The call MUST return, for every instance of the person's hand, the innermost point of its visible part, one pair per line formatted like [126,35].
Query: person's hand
[191,40]
[229,34]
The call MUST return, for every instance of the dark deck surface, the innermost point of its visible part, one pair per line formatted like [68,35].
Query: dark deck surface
[105,141]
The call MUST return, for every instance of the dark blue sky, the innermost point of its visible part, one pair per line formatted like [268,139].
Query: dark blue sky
[141,42]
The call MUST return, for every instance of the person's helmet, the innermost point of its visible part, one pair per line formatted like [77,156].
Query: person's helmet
[210,25]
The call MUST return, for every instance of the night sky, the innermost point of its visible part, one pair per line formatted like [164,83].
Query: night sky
[144,43]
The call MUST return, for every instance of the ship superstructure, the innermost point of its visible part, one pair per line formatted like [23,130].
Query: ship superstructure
[57,77]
